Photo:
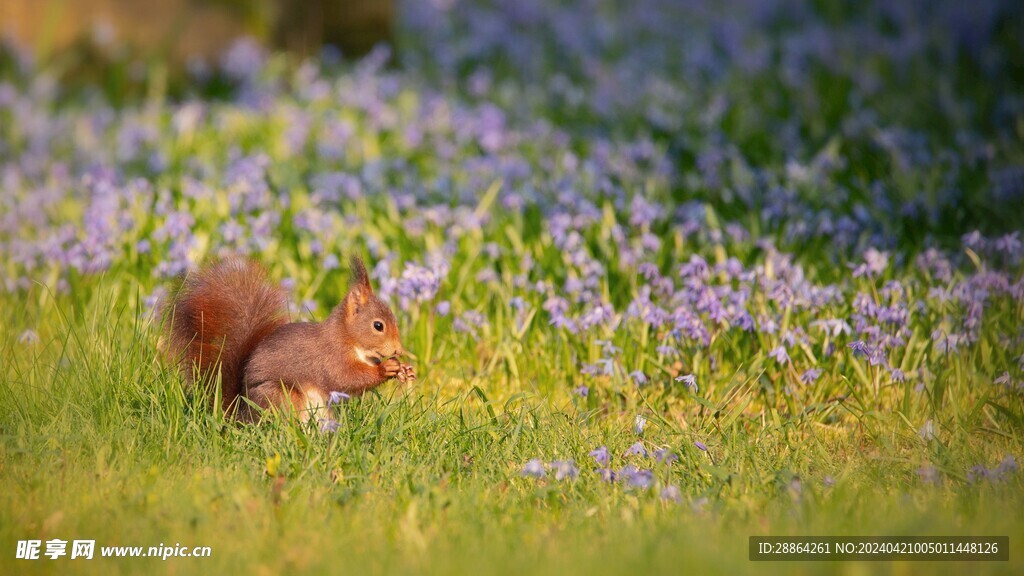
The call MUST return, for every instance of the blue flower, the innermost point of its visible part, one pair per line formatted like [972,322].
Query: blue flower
[1000,473]
[665,456]
[690,380]
[418,283]
[533,468]
[329,425]
[636,478]
[780,355]
[636,449]
[600,455]
[929,474]
[337,397]
[671,493]
[875,263]
[565,470]
[927,431]
[638,425]
[810,375]
[859,347]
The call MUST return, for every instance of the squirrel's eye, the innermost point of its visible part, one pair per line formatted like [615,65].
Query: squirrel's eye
[378,326]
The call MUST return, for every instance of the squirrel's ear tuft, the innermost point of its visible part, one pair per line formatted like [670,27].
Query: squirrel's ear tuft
[359,291]
[359,275]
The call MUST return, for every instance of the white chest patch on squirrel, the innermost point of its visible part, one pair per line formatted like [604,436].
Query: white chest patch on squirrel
[365,357]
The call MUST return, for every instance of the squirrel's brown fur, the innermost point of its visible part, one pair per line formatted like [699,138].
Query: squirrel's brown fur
[228,316]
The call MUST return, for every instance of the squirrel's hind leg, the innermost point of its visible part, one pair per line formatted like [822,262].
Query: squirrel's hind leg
[278,396]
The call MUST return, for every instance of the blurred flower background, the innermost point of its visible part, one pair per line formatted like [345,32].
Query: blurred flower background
[669,176]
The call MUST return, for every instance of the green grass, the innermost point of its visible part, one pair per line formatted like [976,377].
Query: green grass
[100,441]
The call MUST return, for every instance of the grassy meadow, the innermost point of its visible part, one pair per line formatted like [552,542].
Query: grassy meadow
[671,274]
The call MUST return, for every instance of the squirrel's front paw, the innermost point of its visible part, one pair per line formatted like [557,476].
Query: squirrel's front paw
[390,368]
[406,373]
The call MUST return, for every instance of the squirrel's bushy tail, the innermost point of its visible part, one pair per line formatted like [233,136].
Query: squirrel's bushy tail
[218,317]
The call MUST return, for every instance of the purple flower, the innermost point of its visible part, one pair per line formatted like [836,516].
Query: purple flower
[534,468]
[1009,243]
[337,397]
[28,337]
[244,59]
[810,376]
[639,377]
[665,456]
[560,320]
[929,475]
[671,493]
[700,445]
[744,321]
[636,449]
[1007,466]
[603,367]
[795,488]
[644,212]
[875,263]
[689,380]
[443,308]
[859,347]
[607,347]
[565,470]
[468,322]
[599,314]
[329,425]
[927,431]
[607,474]
[833,326]
[780,355]
[582,391]
[666,351]
[973,240]
[638,425]
[600,455]
[418,283]
[636,478]
[1000,473]
[878,357]
[977,473]
[946,343]
[155,300]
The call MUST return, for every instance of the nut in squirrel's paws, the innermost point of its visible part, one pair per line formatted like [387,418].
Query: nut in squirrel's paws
[406,373]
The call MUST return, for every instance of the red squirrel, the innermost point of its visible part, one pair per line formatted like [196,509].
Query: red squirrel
[229,317]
